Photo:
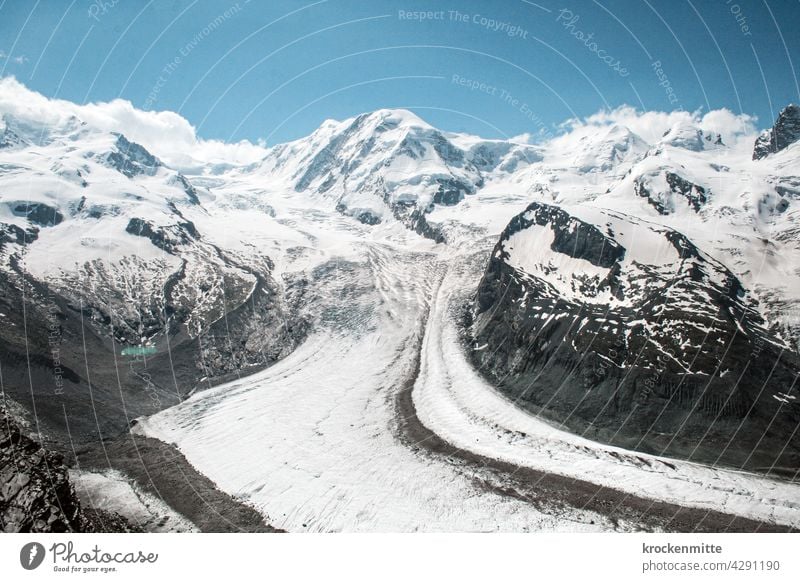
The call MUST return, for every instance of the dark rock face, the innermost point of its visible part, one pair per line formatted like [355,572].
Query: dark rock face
[784,133]
[11,233]
[484,158]
[36,494]
[415,218]
[74,350]
[451,192]
[363,216]
[131,159]
[367,217]
[47,367]
[191,191]
[696,195]
[681,365]
[679,188]
[573,237]
[168,239]
[39,214]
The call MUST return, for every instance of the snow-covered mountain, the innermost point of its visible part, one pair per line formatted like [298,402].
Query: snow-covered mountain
[625,331]
[654,278]
[783,134]
[99,241]
[390,163]
[662,313]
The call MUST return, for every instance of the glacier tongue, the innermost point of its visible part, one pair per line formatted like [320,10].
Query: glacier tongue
[313,441]
[319,453]
[317,247]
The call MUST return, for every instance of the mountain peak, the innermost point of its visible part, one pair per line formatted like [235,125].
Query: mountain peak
[360,127]
[784,133]
[603,149]
[396,118]
[690,137]
[28,129]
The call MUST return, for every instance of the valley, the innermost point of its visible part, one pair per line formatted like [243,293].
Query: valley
[387,327]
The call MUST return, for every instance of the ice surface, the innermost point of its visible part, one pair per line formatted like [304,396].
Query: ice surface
[112,491]
[313,442]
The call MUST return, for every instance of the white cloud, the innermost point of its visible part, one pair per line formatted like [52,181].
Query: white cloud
[166,134]
[523,138]
[652,125]
[727,123]
[172,138]
[20,60]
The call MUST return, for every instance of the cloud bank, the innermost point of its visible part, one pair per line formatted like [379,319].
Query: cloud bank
[166,134]
[652,125]
[174,140]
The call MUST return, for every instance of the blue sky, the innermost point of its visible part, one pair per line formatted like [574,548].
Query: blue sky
[275,70]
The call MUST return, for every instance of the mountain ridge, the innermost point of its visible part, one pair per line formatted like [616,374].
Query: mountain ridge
[187,280]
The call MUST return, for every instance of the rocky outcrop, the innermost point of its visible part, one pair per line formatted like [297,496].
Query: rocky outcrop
[36,494]
[666,193]
[696,195]
[11,233]
[188,187]
[668,357]
[167,238]
[131,159]
[38,214]
[784,133]
[10,138]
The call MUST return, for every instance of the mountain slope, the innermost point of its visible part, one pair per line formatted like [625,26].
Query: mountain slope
[628,333]
[114,301]
[390,163]
[784,133]
[140,284]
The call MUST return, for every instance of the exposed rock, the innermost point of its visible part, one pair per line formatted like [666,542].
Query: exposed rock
[10,139]
[36,494]
[16,235]
[131,159]
[39,214]
[667,358]
[696,195]
[191,191]
[784,133]
[167,238]
[666,191]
